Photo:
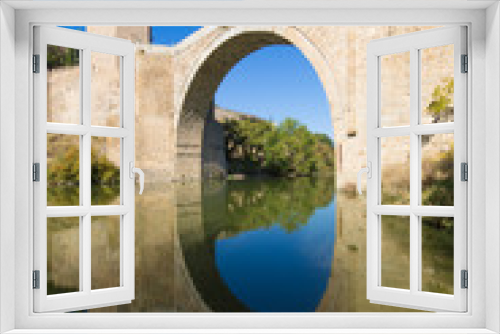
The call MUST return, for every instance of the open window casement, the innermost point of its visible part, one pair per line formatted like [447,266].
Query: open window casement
[83,165]
[416,104]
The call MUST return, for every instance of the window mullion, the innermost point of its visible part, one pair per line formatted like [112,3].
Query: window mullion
[67,129]
[414,170]
[433,129]
[86,166]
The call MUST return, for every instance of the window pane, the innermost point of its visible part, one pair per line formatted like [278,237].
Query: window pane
[395,89]
[437,254]
[63,170]
[63,85]
[437,169]
[437,84]
[395,170]
[63,255]
[105,89]
[105,252]
[105,170]
[395,251]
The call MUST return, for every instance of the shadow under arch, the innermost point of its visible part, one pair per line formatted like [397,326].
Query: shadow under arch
[196,96]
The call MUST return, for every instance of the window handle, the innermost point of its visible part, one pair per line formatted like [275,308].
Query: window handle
[135,170]
[368,171]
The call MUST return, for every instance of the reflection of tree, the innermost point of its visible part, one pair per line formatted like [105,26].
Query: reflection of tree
[254,204]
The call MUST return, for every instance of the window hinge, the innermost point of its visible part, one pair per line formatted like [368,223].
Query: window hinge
[465,279]
[36,279]
[464,172]
[36,63]
[36,172]
[465,64]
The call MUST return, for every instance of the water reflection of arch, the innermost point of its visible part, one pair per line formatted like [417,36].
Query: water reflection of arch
[197,248]
[205,215]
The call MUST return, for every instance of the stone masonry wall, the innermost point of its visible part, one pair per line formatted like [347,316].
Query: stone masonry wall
[164,75]
[214,155]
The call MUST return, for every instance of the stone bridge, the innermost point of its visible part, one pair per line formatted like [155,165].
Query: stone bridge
[176,136]
[175,86]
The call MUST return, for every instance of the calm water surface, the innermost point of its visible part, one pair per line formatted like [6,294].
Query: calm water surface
[240,246]
[276,268]
[268,245]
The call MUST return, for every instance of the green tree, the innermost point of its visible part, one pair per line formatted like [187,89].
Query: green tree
[441,105]
[63,173]
[58,56]
[289,149]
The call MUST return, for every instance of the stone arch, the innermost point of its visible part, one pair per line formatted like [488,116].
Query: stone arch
[197,80]
[230,45]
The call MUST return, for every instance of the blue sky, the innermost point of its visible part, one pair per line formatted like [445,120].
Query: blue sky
[169,35]
[273,83]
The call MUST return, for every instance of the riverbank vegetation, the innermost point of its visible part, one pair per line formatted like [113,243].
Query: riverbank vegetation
[259,147]
[58,56]
[437,190]
[63,173]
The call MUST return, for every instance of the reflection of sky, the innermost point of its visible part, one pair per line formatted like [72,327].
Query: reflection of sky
[271,270]
[272,83]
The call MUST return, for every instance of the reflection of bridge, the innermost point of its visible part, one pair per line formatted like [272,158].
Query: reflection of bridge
[196,249]
[175,268]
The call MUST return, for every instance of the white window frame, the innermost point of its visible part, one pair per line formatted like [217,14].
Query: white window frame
[484,47]
[413,44]
[86,297]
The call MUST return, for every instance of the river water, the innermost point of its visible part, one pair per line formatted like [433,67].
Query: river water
[267,245]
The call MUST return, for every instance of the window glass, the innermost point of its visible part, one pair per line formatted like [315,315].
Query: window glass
[437,254]
[395,263]
[105,252]
[437,84]
[395,89]
[63,255]
[437,169]
[105,89]
[63,85]
[395,170]
[63,170]
[106,155]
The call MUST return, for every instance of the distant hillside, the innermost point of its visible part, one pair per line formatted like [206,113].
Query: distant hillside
[221,115]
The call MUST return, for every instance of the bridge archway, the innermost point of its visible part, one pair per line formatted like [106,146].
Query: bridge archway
[200,80]
[230,45]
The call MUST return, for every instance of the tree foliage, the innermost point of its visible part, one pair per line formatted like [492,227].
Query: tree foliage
[58,56]
[288,149]
[438,171]
[441,105]
[63,173]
